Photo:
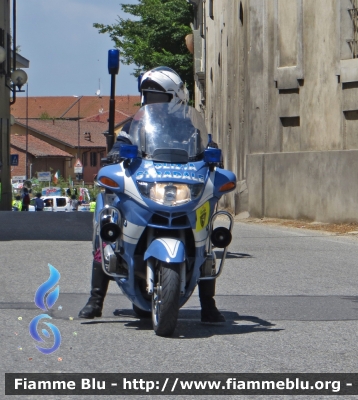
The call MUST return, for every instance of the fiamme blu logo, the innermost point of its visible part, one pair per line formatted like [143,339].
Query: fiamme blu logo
[45,302]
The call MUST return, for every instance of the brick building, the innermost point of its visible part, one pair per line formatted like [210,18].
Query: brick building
[74,126]
[41,155]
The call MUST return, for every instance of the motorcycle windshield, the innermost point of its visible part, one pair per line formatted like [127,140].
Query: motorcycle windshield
[164,135]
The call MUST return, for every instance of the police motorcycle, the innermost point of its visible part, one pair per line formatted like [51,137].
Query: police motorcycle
[154,219]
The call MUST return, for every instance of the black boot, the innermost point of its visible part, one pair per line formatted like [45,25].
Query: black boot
[99,287]
[209,313]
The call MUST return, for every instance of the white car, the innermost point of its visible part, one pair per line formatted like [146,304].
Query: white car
[83,207]
[53,203]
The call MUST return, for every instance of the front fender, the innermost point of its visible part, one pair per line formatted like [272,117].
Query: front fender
[166,249]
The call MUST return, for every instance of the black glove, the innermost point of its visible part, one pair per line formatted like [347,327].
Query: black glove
[213,145]
[113,156]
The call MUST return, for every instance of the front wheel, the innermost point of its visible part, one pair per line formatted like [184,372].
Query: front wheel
[165,299]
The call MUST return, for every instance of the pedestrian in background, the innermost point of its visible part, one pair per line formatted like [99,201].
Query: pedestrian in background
[92,205]
[25,200]
[39,203]
[74,203]
[17,203]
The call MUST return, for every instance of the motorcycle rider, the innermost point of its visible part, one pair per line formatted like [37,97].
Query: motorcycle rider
[159,85]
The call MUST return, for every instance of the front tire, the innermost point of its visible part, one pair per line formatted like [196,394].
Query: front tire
[165,299]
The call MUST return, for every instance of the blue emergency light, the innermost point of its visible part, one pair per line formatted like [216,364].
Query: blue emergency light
[128,151]
[212,155]
[113,61]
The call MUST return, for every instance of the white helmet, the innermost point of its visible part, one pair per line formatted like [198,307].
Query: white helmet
[163,85]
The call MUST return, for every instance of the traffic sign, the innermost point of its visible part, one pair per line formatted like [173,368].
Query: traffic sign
[78,167]
[44,176]
[19,178]
[14,159]
[78,163]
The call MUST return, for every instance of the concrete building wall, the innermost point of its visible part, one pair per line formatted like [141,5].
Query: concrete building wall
[5,190]
[281,98]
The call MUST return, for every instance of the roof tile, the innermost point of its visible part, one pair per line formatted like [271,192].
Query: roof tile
[37,147]
[66,132]
[70,106]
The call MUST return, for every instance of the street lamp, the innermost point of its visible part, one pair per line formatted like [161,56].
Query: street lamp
[19,78]
[27,132]
[78,129]
[2,54]
[78,125]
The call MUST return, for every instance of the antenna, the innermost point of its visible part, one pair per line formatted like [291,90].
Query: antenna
[98,92]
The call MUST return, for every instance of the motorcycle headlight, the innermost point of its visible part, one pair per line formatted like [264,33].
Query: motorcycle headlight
[170,194]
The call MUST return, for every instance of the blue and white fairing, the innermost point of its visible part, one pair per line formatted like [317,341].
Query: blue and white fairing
[172,196]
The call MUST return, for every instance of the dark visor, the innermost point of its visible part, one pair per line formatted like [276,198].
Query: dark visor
[156,97]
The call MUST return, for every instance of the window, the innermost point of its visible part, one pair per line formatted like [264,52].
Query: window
[211,9]
[353,43]
[93,159]
[84,159]
[48,203]
[241,14]
[61,202]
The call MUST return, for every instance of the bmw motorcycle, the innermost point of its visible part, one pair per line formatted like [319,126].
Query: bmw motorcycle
[155,216]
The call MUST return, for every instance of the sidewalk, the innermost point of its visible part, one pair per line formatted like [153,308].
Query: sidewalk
[349,228]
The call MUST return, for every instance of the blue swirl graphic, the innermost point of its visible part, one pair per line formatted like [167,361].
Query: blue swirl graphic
[45,287]
[56,333]
[45,332]
[52,297]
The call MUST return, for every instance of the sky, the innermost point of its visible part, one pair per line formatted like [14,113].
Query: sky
[67,54]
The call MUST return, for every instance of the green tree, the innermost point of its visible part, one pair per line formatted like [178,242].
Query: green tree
[155,36]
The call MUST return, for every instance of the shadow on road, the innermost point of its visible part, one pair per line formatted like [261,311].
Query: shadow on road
[190,327]
[351,298]
[232,255]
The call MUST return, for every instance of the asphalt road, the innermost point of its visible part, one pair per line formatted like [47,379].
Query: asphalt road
[289,297]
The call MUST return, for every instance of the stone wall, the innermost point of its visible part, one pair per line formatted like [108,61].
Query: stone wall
[280,95]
